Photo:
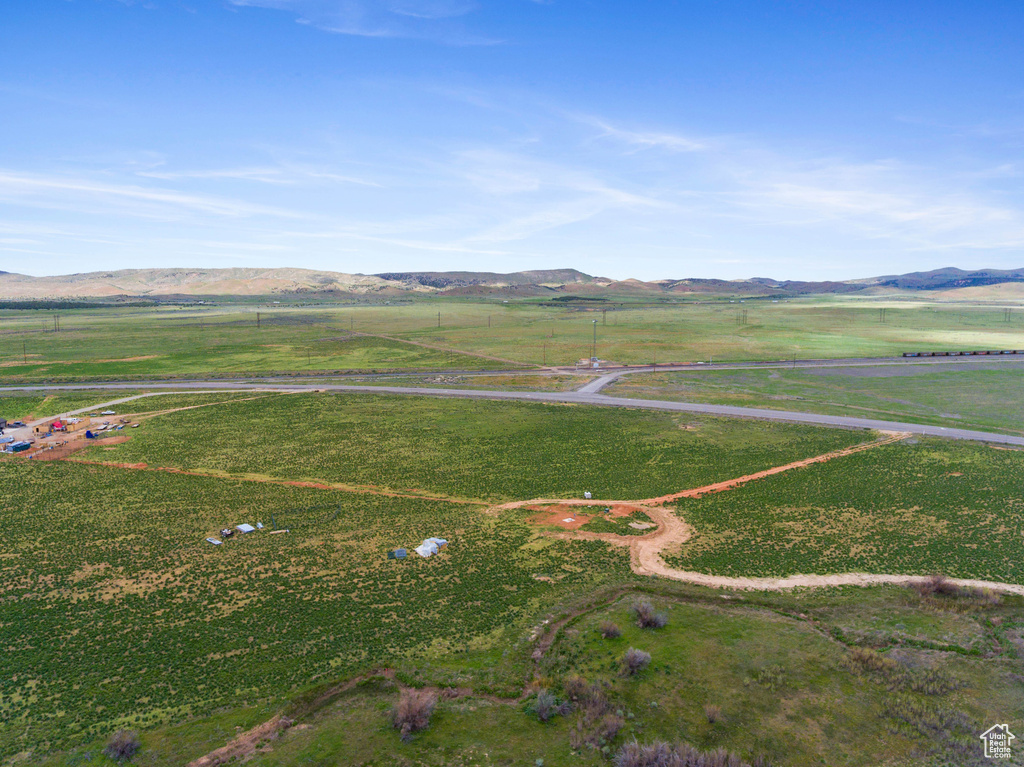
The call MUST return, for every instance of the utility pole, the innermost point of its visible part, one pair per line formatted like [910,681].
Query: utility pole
[545,353]
[488,322]
[257,320]
[439,319]
[593,357]
[351,323]
[24,351]
[604,316]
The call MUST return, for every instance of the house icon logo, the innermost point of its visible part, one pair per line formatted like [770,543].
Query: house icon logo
[997,741]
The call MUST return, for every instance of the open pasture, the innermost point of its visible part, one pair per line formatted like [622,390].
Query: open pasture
[851,676]
[776,682]
[498,451]
[117,612]
[687,332]
[445,334]
[928,507]
[166,342]
[988,396]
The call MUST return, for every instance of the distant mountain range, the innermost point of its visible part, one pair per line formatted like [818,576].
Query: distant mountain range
[555,283]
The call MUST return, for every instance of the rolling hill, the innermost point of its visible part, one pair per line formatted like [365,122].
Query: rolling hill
[179,283]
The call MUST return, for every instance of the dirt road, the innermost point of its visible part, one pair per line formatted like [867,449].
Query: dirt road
[646,550]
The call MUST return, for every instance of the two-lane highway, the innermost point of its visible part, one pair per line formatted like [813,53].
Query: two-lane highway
[589,394]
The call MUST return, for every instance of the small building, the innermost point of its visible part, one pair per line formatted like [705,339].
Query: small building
[76,424]
[18,447]
[3,424]
[398,554]
[61,426]
[245,528]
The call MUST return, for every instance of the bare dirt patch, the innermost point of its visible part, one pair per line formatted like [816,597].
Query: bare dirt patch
[60,451]
[244,746]
[556,514]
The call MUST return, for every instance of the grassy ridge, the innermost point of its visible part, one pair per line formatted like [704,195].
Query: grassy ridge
[948,507]
[780,668]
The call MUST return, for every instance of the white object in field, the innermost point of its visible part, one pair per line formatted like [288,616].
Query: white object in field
[259,525]
[430,546]
[245,527]
[214,541]
[569,519]
[108,412]
[426,549]
[275,532]
[587,495]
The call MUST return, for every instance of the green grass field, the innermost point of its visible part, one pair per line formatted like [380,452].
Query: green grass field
[986,396]
[854,677]
[469,449]
[225,340]
[115,612]
[932,507]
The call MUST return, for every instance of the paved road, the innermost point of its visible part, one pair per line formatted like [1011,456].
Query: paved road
[587,395]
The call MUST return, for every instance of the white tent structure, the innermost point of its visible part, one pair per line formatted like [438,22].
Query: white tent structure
[430,546]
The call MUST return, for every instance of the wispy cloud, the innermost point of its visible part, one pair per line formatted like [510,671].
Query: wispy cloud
[638,140]
[282,175]
[544,195]
[423,19]
[62,192]
[921,207]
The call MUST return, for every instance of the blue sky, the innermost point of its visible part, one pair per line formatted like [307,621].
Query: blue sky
[699,138]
